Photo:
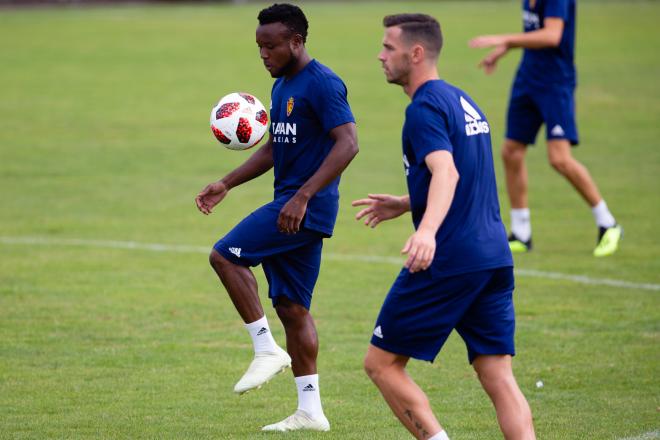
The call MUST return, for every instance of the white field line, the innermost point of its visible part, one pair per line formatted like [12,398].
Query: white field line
[646,436]
[158,247]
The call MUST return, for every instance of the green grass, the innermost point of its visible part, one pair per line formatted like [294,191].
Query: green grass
[104,136]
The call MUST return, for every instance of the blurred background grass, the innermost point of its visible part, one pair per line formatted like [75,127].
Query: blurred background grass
[104,136]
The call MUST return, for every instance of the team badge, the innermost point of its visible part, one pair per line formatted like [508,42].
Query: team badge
[289,106]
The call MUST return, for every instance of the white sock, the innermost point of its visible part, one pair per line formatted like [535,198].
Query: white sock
[442,435]
[602,215]
[309,397]
[262,339]
[521,226]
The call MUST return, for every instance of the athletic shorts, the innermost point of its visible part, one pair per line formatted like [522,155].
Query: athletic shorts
[420,312]
[529,108]
[291,263]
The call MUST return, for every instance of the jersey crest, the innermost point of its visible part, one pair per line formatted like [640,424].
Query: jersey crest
[289,106]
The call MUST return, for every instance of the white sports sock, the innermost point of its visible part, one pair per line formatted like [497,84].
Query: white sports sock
[521,226]
[602,215]
[309,397]
[262,339]
[442,435]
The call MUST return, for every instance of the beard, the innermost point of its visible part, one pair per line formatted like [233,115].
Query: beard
[288,67]
[399,75]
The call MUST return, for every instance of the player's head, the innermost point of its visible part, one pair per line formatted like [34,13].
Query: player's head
[410,40]
[281,37]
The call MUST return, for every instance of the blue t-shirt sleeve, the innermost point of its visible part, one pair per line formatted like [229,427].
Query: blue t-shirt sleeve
[429,130]
[556,9]
[331,104]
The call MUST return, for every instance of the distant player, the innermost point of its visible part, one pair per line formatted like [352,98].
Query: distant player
[312,140]
[543,92]
[459,272]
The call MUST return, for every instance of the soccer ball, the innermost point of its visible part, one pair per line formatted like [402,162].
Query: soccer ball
[239,121]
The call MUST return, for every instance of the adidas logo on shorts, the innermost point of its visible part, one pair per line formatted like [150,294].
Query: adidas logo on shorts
[378,332]
[236,251]
[557,130]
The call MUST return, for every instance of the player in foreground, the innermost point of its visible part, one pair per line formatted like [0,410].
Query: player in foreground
[543,92]
[312,140]
[458,274]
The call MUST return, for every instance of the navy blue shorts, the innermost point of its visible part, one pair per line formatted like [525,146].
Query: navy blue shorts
[420,312]
[529,108]
[291,262]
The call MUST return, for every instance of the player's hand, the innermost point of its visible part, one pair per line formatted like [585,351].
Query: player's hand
[211,196]
[380,207]
[489,63]
[291,214]
[420,248]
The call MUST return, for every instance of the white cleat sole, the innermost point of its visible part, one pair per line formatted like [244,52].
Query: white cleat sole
[299,421]
[243,392]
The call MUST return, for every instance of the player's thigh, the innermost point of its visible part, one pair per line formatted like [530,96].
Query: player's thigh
[524,118]
[488,326]
[294,273]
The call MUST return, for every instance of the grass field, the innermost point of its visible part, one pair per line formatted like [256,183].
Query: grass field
[104,140]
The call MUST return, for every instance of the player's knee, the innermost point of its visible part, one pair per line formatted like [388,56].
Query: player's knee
[289,312]
[218,262]
[560,163]
[493,379]
[372,367]
[513,154]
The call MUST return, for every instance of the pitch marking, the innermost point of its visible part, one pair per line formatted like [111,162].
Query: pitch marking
[159,247]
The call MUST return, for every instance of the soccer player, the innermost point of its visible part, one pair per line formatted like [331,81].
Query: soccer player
[542,92]
[312,140]
[458,274]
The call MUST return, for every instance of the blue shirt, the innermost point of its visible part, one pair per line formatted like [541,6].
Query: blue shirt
[472,236]
[554,65]
[303,111]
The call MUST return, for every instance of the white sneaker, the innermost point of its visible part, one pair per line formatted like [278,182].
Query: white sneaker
[263,368]
[299,420]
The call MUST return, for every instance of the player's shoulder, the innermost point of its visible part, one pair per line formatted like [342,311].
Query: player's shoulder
[322,75]
[435,95]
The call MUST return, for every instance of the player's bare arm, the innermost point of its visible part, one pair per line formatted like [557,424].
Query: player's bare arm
[548,36]
[256,165]
[341,154]
[420,247]
[381,207]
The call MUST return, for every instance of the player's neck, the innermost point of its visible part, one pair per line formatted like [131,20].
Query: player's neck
[303,60]
[419,77]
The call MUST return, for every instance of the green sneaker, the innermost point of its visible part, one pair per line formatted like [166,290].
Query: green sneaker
[608,240]
[518,246]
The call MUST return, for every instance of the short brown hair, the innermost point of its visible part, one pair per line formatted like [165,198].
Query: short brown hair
[418,28]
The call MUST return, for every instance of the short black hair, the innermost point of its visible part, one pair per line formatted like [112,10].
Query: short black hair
[289,15]
[418,28]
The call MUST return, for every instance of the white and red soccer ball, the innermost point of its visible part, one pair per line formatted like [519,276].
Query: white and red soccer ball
[239,121]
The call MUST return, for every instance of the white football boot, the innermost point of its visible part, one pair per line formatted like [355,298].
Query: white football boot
[299,420]
[263,368]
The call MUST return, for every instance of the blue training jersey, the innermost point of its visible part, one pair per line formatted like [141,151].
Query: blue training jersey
[555,65]
[303,111]
[472,236]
